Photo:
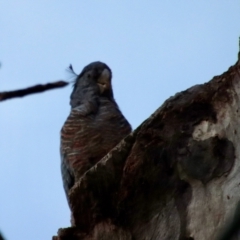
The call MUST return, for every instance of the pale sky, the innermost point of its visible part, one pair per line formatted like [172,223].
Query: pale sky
[154,48]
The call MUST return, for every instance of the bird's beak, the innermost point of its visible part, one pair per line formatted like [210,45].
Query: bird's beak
[104,81]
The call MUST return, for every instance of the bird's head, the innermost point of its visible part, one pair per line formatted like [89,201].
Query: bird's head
[94,81]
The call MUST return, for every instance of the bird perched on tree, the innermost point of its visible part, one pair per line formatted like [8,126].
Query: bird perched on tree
[95,124]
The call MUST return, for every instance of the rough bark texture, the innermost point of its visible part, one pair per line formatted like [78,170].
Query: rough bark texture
[175,177]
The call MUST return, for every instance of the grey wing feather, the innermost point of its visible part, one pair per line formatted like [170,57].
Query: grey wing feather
[67,175]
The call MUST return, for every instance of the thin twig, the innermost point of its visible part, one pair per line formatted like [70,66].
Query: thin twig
[31,90]
[1,236]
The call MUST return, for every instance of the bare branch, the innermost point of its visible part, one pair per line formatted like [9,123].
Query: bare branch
[31,90]
[1,236]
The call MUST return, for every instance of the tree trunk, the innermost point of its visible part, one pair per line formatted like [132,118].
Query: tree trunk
[175,177]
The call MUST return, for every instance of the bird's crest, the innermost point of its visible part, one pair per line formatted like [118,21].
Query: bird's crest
[72,75]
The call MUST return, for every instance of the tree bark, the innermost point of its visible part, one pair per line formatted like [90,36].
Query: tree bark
[175,177]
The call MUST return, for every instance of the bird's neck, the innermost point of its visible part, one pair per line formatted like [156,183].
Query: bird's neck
[85,105]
